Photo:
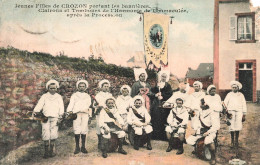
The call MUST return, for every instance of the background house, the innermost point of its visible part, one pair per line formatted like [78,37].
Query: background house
[137,60]
[204,74]
[236,47]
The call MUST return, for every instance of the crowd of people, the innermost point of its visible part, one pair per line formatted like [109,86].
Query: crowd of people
[152,112]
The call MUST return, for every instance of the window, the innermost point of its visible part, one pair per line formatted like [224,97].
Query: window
[241,65]
[242,27]
[245,66]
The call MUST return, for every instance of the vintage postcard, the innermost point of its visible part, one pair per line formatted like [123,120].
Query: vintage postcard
[128,82]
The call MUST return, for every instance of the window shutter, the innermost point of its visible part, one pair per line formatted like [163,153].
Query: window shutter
[256,23]
[257,34]
[257,28]
[232,28]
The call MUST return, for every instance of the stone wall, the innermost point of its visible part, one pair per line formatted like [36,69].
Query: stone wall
[22,84]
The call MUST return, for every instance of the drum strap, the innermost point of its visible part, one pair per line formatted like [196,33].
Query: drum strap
[113,125]
[138,115]
[178,118]
[203,125]
[110,114]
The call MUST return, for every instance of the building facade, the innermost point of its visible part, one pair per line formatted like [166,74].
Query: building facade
[236,47]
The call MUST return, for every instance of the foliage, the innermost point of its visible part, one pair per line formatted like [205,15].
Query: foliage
[63,61]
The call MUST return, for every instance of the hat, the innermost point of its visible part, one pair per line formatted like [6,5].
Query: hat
[52,82]
[138,72]
[198,83]
[164,72]
[102,82]
[138,97]
[236,83]
[210,87]
[82,81]
[127,87]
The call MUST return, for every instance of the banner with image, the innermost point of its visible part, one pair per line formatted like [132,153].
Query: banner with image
[156,27]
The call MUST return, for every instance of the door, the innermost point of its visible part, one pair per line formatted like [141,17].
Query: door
[246,79]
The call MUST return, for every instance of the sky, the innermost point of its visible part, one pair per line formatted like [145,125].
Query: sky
[117,39]
[255,3]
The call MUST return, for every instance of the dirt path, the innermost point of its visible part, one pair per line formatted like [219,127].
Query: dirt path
[249,141]
[31,153]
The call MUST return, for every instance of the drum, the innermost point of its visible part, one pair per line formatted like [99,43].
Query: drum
[68,119]
[131,135]
[201,150]
[176,142]
[37,116]
[67,123]
[113,143]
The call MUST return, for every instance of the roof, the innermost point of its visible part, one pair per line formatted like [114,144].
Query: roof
[138,56]
[232,1]
[203,70]
[132,59]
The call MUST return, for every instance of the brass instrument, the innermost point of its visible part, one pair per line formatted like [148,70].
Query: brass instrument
[97,108]
[229,115]
[225,112]
[191,112]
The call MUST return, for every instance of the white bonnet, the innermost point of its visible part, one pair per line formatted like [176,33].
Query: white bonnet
[138,72]
[102,82]
[52,82]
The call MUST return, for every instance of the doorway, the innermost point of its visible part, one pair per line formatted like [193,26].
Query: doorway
[245,77]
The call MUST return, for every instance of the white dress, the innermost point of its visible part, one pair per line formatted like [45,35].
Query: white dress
[236,105]
[80,103]
[52,107]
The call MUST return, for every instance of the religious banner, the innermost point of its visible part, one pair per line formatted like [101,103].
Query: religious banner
[156,28]
[125,42]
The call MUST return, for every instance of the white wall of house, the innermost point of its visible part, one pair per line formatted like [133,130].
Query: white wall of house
[230,51]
